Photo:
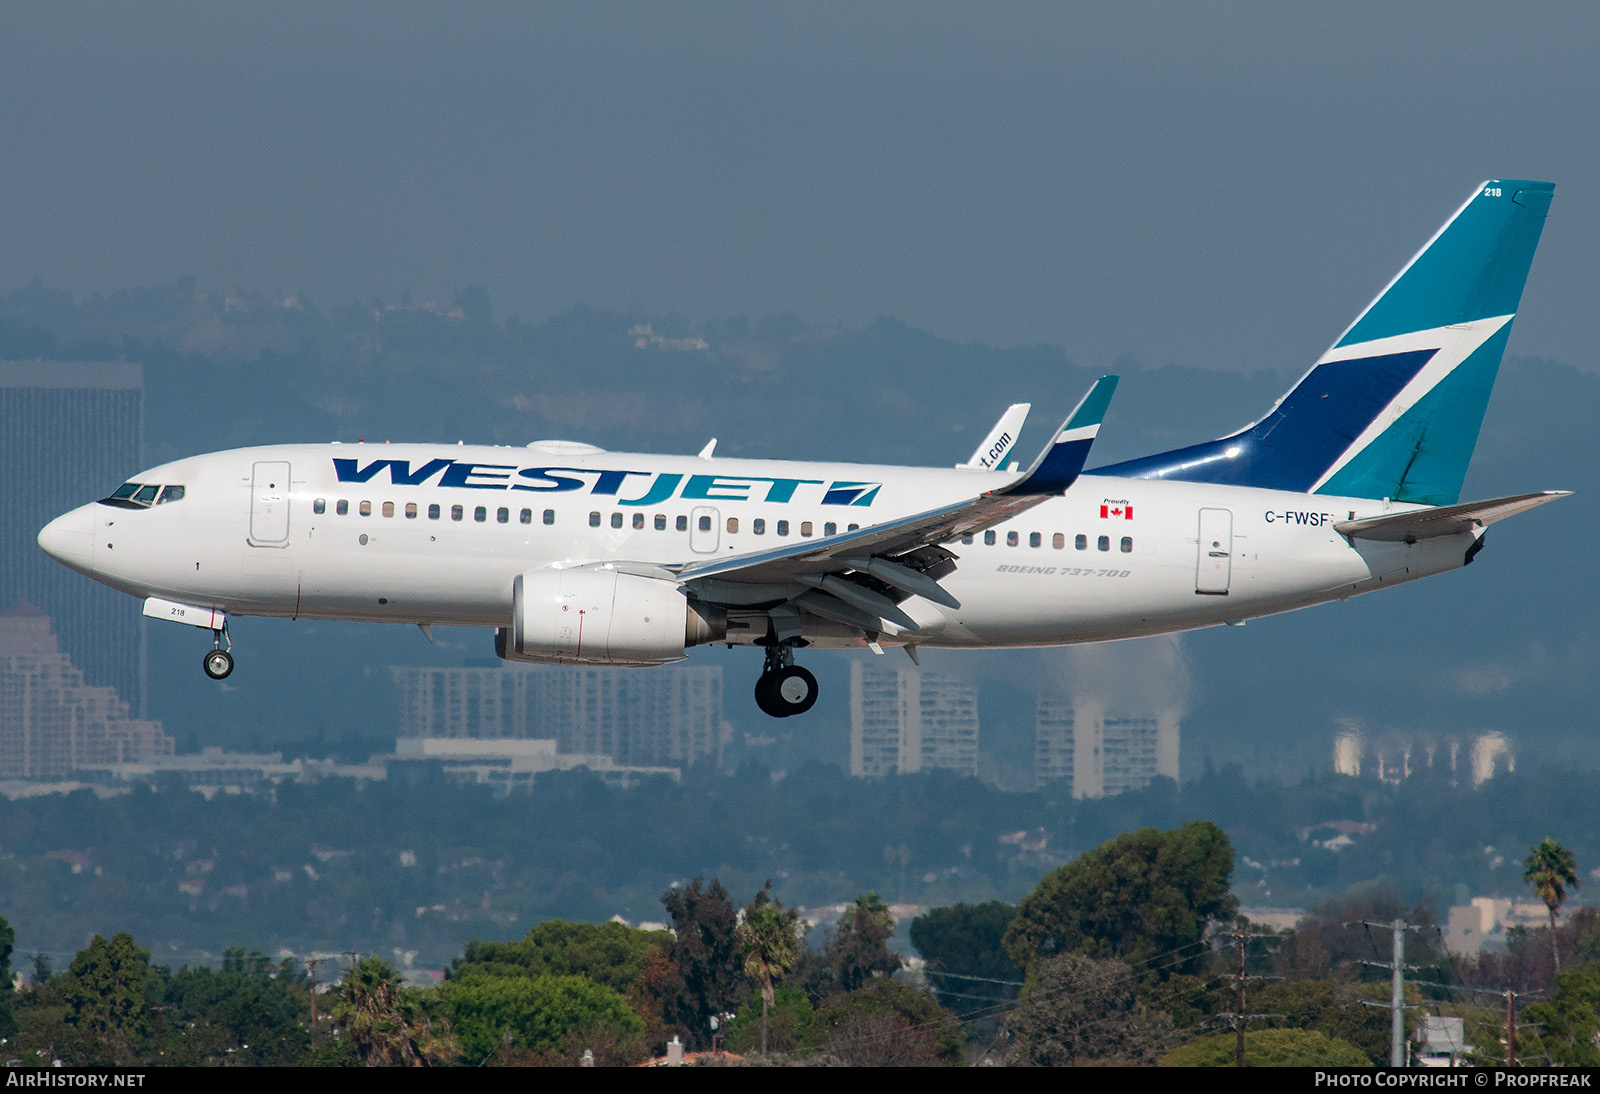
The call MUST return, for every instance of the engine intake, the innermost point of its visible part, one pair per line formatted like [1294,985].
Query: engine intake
[603,617]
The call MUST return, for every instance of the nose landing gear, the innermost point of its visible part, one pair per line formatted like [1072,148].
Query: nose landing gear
[218,661]
[784,688]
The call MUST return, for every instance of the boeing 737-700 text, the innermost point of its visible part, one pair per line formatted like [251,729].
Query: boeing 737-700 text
[575,555]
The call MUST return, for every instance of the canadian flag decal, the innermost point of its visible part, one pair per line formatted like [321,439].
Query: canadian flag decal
[1116,510]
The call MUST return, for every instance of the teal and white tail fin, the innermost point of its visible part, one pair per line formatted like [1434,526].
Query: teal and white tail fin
[1393,409]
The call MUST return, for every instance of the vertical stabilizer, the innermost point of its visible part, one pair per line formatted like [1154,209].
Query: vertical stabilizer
[1393,409]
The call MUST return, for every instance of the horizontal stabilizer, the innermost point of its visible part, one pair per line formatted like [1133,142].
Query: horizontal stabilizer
[1447,520]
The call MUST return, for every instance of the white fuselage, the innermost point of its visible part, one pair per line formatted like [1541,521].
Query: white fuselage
[437,534]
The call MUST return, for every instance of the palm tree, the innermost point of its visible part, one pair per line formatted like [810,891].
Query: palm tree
[770,948]
[1550,869]
[387,1024]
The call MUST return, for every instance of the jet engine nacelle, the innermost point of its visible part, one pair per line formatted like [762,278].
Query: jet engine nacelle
[602,616]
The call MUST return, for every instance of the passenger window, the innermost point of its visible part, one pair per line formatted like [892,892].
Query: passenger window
[526,516]
[480,513]
[854,528]
[967,540]
[594,520]
[661,522]
[1011,539]
[388,508]
[502,515]
[171,493]
[733,525]
[705,524]
[759,526]
[683,524]
[433,512]
[638,520]
[805,528]
[1127,545]
[830,529]
[366,508]
[320,506]
[147,495]
[783,527]
[549,516]
[988,539]
[1033,539]
[342,508]
[616,520]
[1081,543]
[1105,543]
[411,510]
[1058,541]
[457,512]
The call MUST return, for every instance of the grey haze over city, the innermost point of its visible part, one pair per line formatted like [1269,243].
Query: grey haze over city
[1199,196]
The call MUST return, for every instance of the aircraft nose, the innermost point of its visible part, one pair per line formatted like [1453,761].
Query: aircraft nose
[69,539]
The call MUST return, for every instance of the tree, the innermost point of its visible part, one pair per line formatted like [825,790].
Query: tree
[8,1021]
[1269,1048]
[247,1012]
[859,949]
[964,945]
[1079,1009]
[535,1013]
[705,950]
[886,1023]
[791,1015]
[387,1024]
[770,948]
[1550,869]
[106,991]
[1145,897]
[607,953]
[1569,1022]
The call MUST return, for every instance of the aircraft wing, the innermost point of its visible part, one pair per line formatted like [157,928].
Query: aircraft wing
[1445,520]
[881,550]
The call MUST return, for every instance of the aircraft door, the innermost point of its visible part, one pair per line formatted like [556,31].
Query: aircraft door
[1215,566]
[703,529]
[269,504]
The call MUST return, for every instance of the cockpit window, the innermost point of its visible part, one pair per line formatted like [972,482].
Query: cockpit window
[140,495]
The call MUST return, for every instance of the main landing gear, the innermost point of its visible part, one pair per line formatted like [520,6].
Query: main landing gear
[218,662]
[784,689]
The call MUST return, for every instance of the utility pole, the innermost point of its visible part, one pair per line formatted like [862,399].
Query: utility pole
[1241,935]
[1511,1028]
[1397,989]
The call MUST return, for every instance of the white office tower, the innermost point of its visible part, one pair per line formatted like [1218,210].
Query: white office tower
[905,719]
[71,432]
[1102,753]
[51,722]
[667,716]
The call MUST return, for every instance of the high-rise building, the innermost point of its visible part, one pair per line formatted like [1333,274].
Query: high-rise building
[71,432]
[51,722]
[1101,754]
[666,716]
[905,719]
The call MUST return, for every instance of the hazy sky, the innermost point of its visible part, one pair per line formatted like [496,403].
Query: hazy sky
[1212,184]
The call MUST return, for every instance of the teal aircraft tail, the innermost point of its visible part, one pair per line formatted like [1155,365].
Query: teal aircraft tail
[1393,409]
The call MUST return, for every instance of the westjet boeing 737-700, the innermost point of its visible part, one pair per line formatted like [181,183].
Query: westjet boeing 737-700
[575,555]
